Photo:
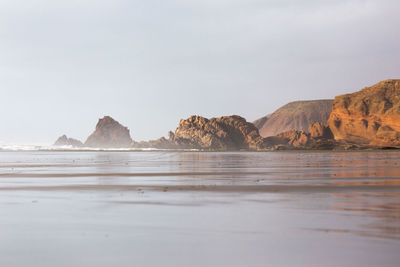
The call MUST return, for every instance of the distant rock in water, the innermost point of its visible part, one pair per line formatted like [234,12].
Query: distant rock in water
[224,133]
[109,134]
[369,117]
[65,141]
[298,115]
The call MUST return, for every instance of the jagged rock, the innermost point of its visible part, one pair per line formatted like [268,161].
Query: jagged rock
[224,133]
[295,138]
[109,134]
[171,135]
[368,117]
[319,137]
[298,115]
[65,141]
[320,130]
[290,138]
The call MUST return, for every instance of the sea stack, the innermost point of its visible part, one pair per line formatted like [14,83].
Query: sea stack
[109,133]
[368,117]
[65,141]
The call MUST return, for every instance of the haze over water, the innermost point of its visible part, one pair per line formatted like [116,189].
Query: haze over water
[69,208]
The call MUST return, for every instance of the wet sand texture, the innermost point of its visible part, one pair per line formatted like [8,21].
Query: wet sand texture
[60,208]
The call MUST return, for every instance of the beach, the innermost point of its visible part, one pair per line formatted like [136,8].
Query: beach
[163,208]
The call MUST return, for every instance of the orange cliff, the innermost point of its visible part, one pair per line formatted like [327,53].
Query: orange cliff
[368,117]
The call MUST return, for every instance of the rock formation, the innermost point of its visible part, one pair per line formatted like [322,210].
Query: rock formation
[160,143]
[224,133]
[288,139]
[368,117]
[109,134]
[298,115]
[319,136]
[319,130]
[361,120]
[65,141]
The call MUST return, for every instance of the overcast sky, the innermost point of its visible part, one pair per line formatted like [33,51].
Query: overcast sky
[147,63]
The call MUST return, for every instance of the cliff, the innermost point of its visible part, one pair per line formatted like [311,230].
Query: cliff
[109,133]
[298,115]
[368,117]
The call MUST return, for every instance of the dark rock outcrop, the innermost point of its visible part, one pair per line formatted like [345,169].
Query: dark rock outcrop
[368,117]
[65,141]
[109,134]
[224,133]
[298,115]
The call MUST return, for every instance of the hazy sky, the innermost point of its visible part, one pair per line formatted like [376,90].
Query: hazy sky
[64,64]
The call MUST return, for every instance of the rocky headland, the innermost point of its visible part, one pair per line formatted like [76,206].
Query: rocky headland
[369,118]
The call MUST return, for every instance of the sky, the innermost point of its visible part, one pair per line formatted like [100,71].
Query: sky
[148,63]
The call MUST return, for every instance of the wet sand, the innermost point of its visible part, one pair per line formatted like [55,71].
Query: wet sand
[60,208]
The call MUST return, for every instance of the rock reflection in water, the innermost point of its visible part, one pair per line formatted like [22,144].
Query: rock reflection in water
[382,208]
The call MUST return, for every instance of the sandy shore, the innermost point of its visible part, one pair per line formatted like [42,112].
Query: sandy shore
[199,209]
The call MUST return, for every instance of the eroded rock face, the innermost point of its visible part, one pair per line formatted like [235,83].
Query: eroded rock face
[320,130]
[65,141]
[368,117]
[298,115]
[224,133]
[295,138]
[109,133]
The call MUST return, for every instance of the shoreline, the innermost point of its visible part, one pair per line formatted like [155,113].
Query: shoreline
[302,150]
